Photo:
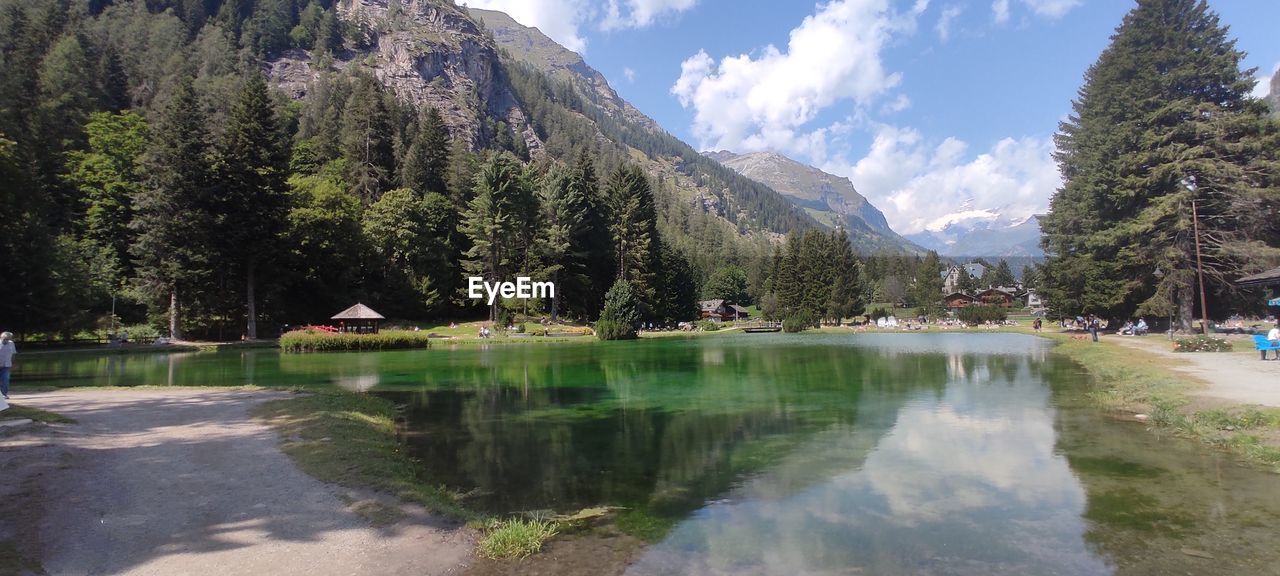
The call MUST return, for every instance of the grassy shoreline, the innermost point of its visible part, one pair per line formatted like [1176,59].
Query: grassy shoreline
[1136,382]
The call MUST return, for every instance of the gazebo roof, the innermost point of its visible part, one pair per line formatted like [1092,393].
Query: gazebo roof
[1269,278]
[358,312]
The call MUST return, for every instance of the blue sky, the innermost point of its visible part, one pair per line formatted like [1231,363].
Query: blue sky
[939,111]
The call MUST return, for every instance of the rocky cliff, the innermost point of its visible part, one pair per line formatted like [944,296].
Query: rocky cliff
[832,200]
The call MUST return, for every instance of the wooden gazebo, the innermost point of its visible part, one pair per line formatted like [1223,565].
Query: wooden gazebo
[359,319]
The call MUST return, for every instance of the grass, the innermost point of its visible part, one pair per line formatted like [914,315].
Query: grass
[316,341]
[1134,381]
[34,414]
[350,439]
[515,538]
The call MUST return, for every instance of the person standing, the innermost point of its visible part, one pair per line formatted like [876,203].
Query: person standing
[7,350]
[1273,336]
[1093,327]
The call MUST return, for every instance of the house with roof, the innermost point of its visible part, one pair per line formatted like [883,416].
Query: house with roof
[721,310]
[951,276]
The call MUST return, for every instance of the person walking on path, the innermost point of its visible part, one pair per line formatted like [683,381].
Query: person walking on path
[1093,327]
[7,350]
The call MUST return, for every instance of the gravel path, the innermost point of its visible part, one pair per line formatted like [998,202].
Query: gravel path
[173,482]
[1237,377]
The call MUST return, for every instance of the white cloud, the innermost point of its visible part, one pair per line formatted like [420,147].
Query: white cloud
[629,74]
[1051,9]
[761,101]
[1000,11]
[563,20]
[943,27]
[1263,87]
[919,186]
[902,102]
[558,19]
[640,13]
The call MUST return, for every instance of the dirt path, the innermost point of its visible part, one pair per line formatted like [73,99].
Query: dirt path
[1236,377]
[186,482]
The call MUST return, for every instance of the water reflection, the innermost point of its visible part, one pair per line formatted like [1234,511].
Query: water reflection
[784,454]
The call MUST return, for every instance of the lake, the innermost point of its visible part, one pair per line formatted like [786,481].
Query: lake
[793,454]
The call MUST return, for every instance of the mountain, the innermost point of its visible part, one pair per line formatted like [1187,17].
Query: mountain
[830,199]
[997,237]
[494,80]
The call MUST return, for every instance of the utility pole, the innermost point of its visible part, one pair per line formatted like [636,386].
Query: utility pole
[1195,227]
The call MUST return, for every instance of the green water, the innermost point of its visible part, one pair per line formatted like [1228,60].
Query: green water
[785,454]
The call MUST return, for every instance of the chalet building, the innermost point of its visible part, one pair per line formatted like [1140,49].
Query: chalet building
[951,276]
[958,300]
[1034,300]
[996,297]
[720,310]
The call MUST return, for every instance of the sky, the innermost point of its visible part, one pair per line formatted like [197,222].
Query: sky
[939,111]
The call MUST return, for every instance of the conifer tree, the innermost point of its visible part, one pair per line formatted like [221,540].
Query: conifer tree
[426,163]
[490,220]
[1164,119]
[590,241]
[252,173]
[367,139]
[172,214]
[634,226]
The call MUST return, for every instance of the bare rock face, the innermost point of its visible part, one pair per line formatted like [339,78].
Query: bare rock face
[427,53]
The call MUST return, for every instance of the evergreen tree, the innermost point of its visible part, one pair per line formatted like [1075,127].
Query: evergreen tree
[367,139]
[490,220]
[634,227]
[412,236]
[252,171]
[677,288]
[846,289]
[929,285]
[426,163]
[172,214]
[590,240]
[620,318]
[1164,121]
[1002,275]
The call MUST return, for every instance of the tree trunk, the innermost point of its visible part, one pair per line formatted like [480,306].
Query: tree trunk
[555,298]
[175,323]
[251,330]
[1185,308]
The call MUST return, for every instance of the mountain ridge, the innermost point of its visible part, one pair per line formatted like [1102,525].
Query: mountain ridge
[832,200]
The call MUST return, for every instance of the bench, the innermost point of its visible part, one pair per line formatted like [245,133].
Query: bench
[1262,344]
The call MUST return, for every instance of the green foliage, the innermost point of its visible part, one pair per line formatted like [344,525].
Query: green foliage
[621,314]
[729,284]
[879,313]
[708,325]
[634,227]
[797,322]
[1201,344]
[412,237]
[317,341]
[974,315]
[1164,124]
[515,538]
[816,274]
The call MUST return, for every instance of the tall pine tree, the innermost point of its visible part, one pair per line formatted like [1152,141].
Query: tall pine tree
[252,172]
[1163,122]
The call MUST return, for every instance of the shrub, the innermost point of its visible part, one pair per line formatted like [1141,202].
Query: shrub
[515,538]
[315,341]
[708,326]
[980,314]
[878,313]
[621,313]
[797,323]
[1201,344]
